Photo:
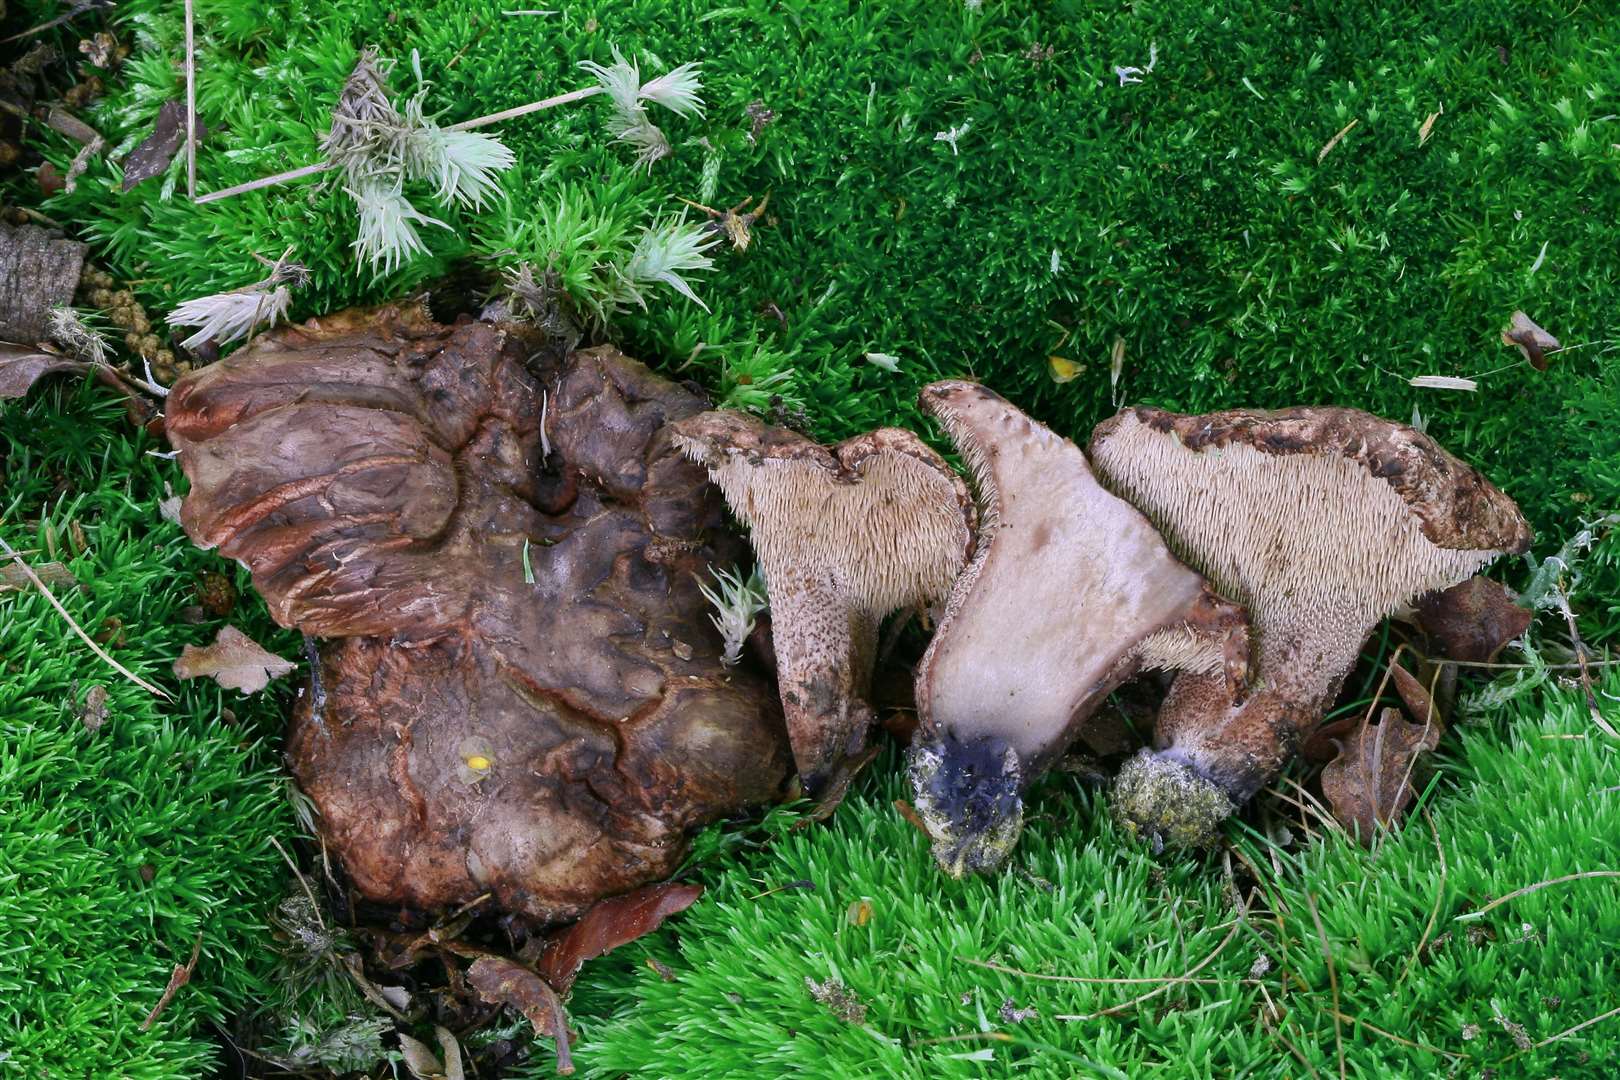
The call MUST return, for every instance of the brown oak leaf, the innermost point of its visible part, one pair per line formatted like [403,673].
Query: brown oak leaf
[153,155]
[1472,621]
[234,660]
[1370,783]
[609,923]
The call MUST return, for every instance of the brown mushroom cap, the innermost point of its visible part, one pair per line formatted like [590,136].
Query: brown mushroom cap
[1320,521]
[550,740]
[1069,593]
[844,537]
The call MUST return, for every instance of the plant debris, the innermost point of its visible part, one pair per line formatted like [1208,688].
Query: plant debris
[424,1064]
[1369,784]
[1531,340]
[155,152]
[506,982]
[177,978]
[609,923]
[93,713]
[838,998]
[234,660]
[1474,620]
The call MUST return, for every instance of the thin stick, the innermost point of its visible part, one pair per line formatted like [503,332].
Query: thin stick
[465,125]
[1237,924]
[1439,896]
[1292,1049]
[62,611]
[191,104]
[266,181]
[999,1036]
[524,110]
[1516,893]
[1333,977]
[1577,1027]
[1523,667]
[1391,1035]
[313,903]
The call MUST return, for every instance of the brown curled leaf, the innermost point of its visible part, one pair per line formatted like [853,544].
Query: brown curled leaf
[1370,783]
[21,368]
[152,157]
[609,923]
[505,982]
[1534,342]
[1472,621]
[234,660]
[1415,696]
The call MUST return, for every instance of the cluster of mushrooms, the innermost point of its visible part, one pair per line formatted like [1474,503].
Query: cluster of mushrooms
[520,691]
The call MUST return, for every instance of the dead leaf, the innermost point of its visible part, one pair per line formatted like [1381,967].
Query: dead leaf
[21,368]
[424,1064]
[839,999]
[152,157]
[234,660]
[1428,125]
[178,978]
[1532,340]
[1062,369]
[93,713]
[1369,784]
[169,505]
[54,574]
[609,923]
[1116,365]
[1472,621]
[504,982]
[1415,697]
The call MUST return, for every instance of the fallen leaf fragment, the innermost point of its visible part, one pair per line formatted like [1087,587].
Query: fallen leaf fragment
[609,923]
[839,999]
[1062,369]
[178,978]
[1534,342]
[234,660]
[1443,382]
[157,150]
[21,368]
[1427,128]
[505,982]
[1370,783]
[1472,621]
[424,1064]
[1415,697]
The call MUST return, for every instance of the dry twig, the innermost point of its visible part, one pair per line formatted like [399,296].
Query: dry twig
[1333,979]
[1516,893]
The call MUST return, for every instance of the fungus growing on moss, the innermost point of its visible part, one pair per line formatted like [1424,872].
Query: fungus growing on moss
[1070,592]
[547,737]
[1320,521]
[844,536]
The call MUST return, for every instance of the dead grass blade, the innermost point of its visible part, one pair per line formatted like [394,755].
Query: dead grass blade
[77,629]
[180,976]
[1237,924]
[1516,893]
[1578,1027]
[1331,143]
[1434,912]
[1396,1038]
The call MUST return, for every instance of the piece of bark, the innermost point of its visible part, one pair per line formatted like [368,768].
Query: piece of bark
[1369,784]
[38,271]
[383,478]
[1474,620]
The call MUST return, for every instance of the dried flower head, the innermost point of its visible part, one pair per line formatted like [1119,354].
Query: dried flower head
[69,329]
[226,317]
[461,164]
[621,81]
[367,133]
[736,604]
[388,223]
[677,91]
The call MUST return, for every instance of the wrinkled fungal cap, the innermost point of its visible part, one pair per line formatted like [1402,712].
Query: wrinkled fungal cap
[1069,593]
[844,537]
[1320,521]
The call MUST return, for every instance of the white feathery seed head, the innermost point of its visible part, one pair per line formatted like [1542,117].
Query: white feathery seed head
[68,329]
[663,253]
[388,223]
[229,316]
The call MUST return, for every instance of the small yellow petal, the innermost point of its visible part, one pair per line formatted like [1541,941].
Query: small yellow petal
[1062,369]
[479,762]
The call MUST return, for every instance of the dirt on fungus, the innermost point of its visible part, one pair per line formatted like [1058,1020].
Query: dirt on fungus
[523,694]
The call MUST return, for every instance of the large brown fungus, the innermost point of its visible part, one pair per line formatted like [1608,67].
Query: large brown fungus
[526,696]
[1070,592]
[1320,521]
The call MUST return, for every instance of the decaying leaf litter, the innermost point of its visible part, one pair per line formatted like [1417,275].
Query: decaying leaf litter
[1376,775]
